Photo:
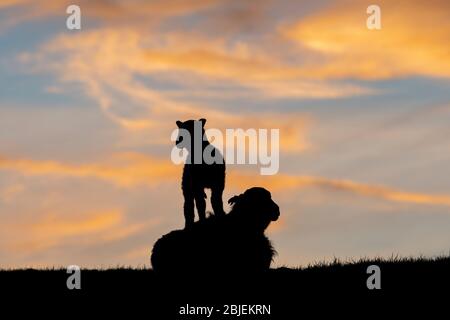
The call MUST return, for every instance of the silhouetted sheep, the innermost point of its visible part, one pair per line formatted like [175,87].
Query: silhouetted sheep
[232,243]
[198,176]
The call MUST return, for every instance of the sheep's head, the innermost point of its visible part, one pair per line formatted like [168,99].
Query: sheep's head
[255,208]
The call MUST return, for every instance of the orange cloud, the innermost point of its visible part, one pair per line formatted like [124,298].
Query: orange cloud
[413,40]
[286,182]
[50,230]
[76,226]
[124,169]
[250,68]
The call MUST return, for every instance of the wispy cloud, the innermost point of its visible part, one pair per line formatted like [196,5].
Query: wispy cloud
[122,170]
[50,229]
[133,169]
[289,182]
[140,12]
[96,60]
[410,42]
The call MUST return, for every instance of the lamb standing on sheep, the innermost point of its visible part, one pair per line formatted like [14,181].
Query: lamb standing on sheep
[232,243]
[198,176]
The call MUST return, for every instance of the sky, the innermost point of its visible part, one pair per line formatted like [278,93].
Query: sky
[86,118]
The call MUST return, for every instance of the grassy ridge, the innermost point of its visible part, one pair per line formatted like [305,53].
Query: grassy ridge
[396,274]
[324,288]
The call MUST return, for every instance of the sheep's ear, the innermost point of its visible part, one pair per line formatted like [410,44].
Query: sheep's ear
[233,200]
[203,120]
[179,123]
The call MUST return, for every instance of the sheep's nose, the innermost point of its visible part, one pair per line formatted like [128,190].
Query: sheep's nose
[276,213]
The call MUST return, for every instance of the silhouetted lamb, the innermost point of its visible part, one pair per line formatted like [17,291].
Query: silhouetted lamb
[233,243]
[198,174]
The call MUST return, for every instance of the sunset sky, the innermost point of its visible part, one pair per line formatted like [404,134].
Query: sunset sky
[86,116]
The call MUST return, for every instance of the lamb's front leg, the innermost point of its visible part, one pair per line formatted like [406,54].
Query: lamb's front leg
[199,195]
[216,201]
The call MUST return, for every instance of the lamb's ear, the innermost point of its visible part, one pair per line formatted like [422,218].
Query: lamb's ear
[233,200]
[203,120]
[179,123]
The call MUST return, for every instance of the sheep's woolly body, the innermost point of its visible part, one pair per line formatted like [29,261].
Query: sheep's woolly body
[232,243]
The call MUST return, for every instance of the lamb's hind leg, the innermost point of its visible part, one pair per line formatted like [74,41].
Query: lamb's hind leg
[189,214]
[200,203]
[216,201]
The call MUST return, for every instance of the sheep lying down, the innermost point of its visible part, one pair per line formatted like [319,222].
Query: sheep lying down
[232,243]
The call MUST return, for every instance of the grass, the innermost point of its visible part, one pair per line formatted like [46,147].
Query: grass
[396,273]
[317,287]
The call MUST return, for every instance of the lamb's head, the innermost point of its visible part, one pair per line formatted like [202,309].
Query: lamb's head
[186,132]
[255,208]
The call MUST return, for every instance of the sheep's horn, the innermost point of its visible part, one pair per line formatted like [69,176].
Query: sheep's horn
[233,199]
